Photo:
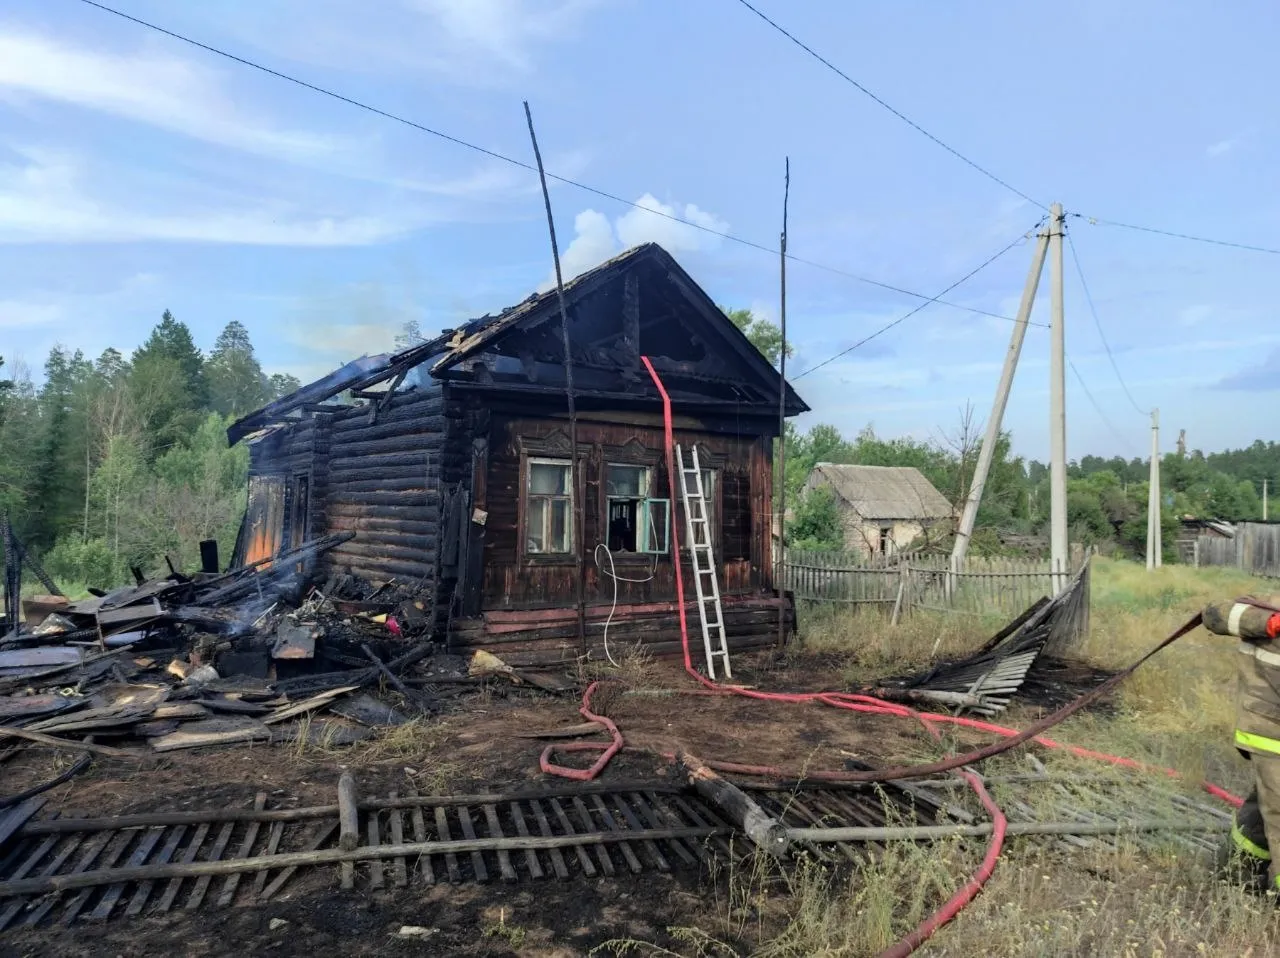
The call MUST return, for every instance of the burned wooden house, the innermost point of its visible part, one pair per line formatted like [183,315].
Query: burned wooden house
[451,463]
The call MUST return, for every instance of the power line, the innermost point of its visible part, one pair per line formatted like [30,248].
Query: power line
[1101,415]
[1088,297]
[493,154]
[905,316]
[1097,221]
[899,114]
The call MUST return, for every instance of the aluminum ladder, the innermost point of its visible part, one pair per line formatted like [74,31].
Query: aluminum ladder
[702,555]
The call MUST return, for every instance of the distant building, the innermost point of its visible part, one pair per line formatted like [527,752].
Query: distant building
[883,509]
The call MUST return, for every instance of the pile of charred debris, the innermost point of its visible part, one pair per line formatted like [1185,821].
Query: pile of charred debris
[263,653]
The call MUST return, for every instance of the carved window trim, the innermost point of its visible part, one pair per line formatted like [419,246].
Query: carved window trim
[553,446]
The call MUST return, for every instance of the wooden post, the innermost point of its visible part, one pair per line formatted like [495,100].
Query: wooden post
[348,813]
[768,833]
[577,477]
[902,588]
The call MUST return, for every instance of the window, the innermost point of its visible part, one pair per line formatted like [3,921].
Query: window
[886,540]
[637,522]
[549,507]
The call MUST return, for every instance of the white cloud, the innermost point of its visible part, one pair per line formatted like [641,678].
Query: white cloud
[46,200]
[24,314]
[596,239]
[593,242]
[652,223]
[504,30]
[162,91]
[1222,147]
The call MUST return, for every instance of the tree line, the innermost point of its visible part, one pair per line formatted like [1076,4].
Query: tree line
[1106,498]
[118,462]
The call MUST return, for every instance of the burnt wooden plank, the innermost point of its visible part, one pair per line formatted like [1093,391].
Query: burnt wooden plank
[583,858]
[273,843]
[70,844]
[628,852]
[658,816]
[215,854]
[703,819]
[450,859]
[111,896]
[246,848]
[420,835]
[557,858]
[522,829]
[322,835]
[90,849]
[375,839]
[143,892]
[117,843]
[188,856]
[399,869]
[602,853]
[648,844]
[469,832]
[495,831]
[14,818]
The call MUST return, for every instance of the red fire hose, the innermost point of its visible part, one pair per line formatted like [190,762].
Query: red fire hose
[868,704]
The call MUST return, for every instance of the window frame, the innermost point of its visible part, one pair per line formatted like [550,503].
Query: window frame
[644,510]
[527,495]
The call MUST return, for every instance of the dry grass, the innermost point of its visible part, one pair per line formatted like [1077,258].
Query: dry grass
[633,665]
[416,746]
[1176,711]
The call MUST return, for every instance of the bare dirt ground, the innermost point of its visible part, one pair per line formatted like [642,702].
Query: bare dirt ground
[1042,901]
[473,748]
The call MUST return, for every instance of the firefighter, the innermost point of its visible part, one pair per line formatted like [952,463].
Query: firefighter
[1256,829]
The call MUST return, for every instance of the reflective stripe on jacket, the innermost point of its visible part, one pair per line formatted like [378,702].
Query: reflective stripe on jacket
[1258,698]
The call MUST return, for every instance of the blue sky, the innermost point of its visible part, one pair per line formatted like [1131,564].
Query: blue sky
[138,173]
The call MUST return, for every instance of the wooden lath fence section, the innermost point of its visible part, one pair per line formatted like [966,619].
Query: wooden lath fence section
[979,585]
[1254,549]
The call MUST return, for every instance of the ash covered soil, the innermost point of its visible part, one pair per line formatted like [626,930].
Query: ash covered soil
[475,747]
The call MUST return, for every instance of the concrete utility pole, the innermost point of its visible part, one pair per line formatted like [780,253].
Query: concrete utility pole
[1058,546]
[1264,500]
[994,421]
[1155,547]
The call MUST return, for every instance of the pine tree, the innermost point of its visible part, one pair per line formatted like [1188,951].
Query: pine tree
[282,384]
[167,380]
[236,382]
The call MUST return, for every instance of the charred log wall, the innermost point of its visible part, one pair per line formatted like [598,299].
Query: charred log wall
[382,481]
[549,637]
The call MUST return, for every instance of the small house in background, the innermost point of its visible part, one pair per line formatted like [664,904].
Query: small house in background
[453,468]
[883,509]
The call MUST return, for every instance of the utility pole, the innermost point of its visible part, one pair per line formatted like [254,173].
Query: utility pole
[994,421]
[1155,547]
[1264,500]
[1058,546]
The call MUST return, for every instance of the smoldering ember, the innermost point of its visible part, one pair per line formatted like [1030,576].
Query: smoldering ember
[447,645]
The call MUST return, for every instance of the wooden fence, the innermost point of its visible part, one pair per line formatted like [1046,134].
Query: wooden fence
[981,586]
[1254,549]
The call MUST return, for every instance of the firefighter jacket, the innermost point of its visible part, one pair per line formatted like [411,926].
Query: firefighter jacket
[1257,670]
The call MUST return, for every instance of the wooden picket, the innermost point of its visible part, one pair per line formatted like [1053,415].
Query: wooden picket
[981,585]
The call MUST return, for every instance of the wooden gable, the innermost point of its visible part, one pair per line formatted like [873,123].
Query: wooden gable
[639,303]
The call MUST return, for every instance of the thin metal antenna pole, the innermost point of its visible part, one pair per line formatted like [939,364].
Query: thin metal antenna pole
[576,505]
[781,473]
